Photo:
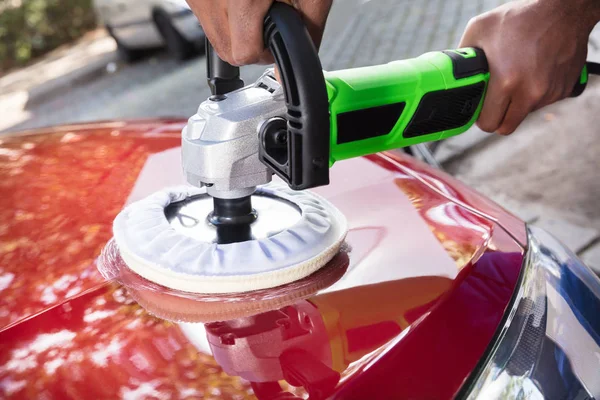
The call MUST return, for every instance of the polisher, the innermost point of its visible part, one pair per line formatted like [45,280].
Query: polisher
[233,230]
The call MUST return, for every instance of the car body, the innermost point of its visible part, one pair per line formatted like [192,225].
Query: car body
[442,293]
[138,25]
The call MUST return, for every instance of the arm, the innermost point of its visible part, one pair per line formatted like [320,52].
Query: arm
[536,50]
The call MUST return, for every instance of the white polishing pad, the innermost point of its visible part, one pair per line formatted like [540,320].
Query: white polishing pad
[160,250]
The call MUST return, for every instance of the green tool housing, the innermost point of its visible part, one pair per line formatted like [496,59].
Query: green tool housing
[403,103]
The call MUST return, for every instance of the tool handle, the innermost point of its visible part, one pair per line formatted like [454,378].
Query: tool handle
[581,83]
[222,77]
[298,151]
[432,97]
[403,103]
[590,68]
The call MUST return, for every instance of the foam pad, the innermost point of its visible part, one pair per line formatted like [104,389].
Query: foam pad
[156,251]
[178,306]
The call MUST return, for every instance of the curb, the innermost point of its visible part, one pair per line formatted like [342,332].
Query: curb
[90,71]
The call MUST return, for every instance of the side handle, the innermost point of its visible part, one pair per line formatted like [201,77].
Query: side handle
[297,148]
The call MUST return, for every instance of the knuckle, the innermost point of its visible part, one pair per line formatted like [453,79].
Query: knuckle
[486,126]
[223,50]
[266,58]
[475,22]
[227,57]
[507,128]
[509,82]
[564,94]
[246,52]
[472,27]
[557,95]
[553,94]
[472,23]
[505,132]
[475,33]
[537,91]
[244,57]
[482,20]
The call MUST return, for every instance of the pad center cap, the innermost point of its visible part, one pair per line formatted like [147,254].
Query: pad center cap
[191,216]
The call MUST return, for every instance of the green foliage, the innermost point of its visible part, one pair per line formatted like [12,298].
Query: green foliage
[34,27]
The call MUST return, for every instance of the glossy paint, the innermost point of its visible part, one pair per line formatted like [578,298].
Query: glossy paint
[431,270]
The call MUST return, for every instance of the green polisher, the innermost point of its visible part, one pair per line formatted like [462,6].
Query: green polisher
[232,229]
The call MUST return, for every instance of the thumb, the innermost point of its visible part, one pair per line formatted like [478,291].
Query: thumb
[473,32]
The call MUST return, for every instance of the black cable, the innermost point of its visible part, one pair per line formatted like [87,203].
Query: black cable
[593,68]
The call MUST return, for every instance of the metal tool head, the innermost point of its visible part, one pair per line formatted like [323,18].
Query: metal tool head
[239,138]
[220,143]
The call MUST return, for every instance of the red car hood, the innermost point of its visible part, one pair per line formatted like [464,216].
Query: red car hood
[431,270]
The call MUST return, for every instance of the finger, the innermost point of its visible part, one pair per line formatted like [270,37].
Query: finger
[496,100]
[516,113]
[572,79]
[552,95]
[314,14]
[495,105]
[246,23]
[213,18]
[266,57]
[278,75]
[472,34]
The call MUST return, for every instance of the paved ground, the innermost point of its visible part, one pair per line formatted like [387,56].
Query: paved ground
[547,172]
[359,33]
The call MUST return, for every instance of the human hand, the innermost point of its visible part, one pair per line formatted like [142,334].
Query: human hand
[235,27]
[536,50]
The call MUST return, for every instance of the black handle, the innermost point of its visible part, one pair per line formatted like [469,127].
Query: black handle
[464,65]
[222,77]
[297,151]
[591,68]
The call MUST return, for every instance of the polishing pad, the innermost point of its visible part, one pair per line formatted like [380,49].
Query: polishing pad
[179,306]
[167,238]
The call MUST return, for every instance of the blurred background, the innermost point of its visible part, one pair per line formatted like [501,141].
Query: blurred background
[72,61]
[31,28]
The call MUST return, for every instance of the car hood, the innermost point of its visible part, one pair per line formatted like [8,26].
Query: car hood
[430,269]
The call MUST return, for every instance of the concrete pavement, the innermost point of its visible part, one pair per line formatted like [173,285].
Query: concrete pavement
[359,32]
[379,31]
[55,74]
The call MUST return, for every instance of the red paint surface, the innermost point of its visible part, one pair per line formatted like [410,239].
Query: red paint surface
[59,192]
[437,355]
[371,336]
[103,346]
[455,190]
[61,189]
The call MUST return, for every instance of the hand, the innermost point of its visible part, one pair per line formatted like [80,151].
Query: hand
[536,50]
[235,27]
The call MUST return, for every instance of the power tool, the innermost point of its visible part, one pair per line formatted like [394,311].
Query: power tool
[233,230]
